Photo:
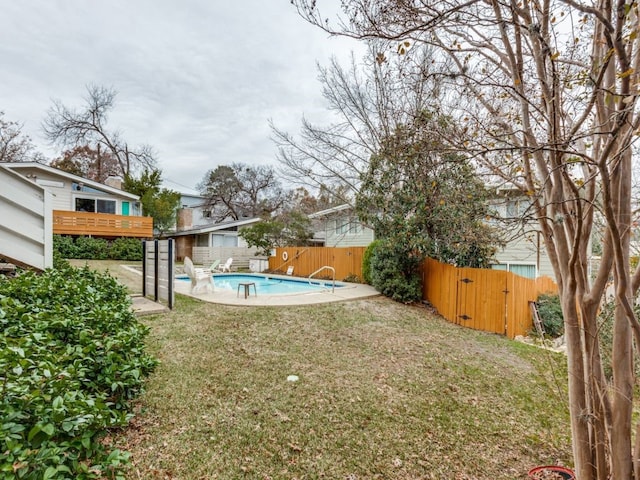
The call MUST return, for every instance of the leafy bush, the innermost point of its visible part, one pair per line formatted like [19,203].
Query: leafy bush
[395,272]
[71,359]
[366,261]
[351,278]
[89,248]
[550,312]
[126,249]
[65,246]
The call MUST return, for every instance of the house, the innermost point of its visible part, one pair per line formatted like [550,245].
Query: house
[339,227]
[197,209]
[524,252]
[205,243]
[25,225]
[83,207]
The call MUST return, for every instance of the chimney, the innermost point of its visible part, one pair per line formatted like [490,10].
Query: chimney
[185,219]
[114,181]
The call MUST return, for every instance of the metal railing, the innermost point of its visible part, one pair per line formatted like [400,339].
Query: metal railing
[333,280]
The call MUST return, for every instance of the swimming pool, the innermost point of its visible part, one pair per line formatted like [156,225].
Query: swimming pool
[268,285]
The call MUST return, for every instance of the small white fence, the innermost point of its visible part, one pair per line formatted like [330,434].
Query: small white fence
[241,255]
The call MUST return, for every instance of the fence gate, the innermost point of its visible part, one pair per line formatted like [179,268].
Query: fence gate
[464,307]
[481,300]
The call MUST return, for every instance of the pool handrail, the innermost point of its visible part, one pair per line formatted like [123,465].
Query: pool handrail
[326,267]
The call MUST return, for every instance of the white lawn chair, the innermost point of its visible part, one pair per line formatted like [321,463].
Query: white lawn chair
[198,276]
[227,265]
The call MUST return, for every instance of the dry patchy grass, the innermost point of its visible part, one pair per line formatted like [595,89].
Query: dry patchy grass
[132,280]
[385,391]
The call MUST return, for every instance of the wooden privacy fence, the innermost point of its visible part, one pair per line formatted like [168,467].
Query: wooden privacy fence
[306,260]
[483,299]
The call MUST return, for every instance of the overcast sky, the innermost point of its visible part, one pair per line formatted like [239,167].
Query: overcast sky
[197,80]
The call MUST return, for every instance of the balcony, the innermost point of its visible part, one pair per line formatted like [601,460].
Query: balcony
[101,224]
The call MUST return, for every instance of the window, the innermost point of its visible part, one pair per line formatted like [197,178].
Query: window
[522,269]
[347,226]
[528,271]
[85,205]
[81,187]
[95,205]
[106,206]
[342,226]
[517,208]
[221,240]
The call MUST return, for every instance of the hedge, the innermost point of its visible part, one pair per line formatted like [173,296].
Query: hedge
[90,248]
[72,357]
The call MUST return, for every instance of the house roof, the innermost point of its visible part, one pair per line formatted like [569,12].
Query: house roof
[16,166]
[216,227]
[329,211]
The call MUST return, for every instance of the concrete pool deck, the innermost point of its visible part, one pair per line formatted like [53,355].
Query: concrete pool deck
[351,291]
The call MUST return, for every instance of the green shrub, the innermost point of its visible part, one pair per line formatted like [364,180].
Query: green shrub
[126,249]
[366,261]
[550,312]
[65,246]
[351,278]
[395,272]
[89,248]
[59,262]
[71,359]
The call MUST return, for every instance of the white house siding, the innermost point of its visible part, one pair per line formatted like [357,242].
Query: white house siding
[527,249]
[354,234]
[361,239]
[63,197]
[60,188]
[25,221]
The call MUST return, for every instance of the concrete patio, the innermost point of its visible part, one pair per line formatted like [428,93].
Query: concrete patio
[351,291]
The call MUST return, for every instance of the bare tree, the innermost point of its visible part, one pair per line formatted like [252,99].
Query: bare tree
[14,145]
[71,128]
[370,100]
[550,99]
[240,190]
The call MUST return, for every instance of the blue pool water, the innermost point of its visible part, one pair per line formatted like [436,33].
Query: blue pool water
[269,285]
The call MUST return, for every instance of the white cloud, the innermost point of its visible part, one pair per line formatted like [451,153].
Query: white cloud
[197,80]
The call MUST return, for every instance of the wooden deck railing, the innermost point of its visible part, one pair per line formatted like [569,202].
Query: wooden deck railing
[101,224]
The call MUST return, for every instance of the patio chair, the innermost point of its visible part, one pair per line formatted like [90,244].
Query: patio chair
[214,266]
[227,265]
[199,277]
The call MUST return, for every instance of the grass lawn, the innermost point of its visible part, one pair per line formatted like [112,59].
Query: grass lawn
[385,391]
[132,280]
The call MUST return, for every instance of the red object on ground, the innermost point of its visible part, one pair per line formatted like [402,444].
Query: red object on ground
[566,473]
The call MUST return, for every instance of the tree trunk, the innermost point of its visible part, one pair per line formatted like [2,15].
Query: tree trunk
[578,407]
